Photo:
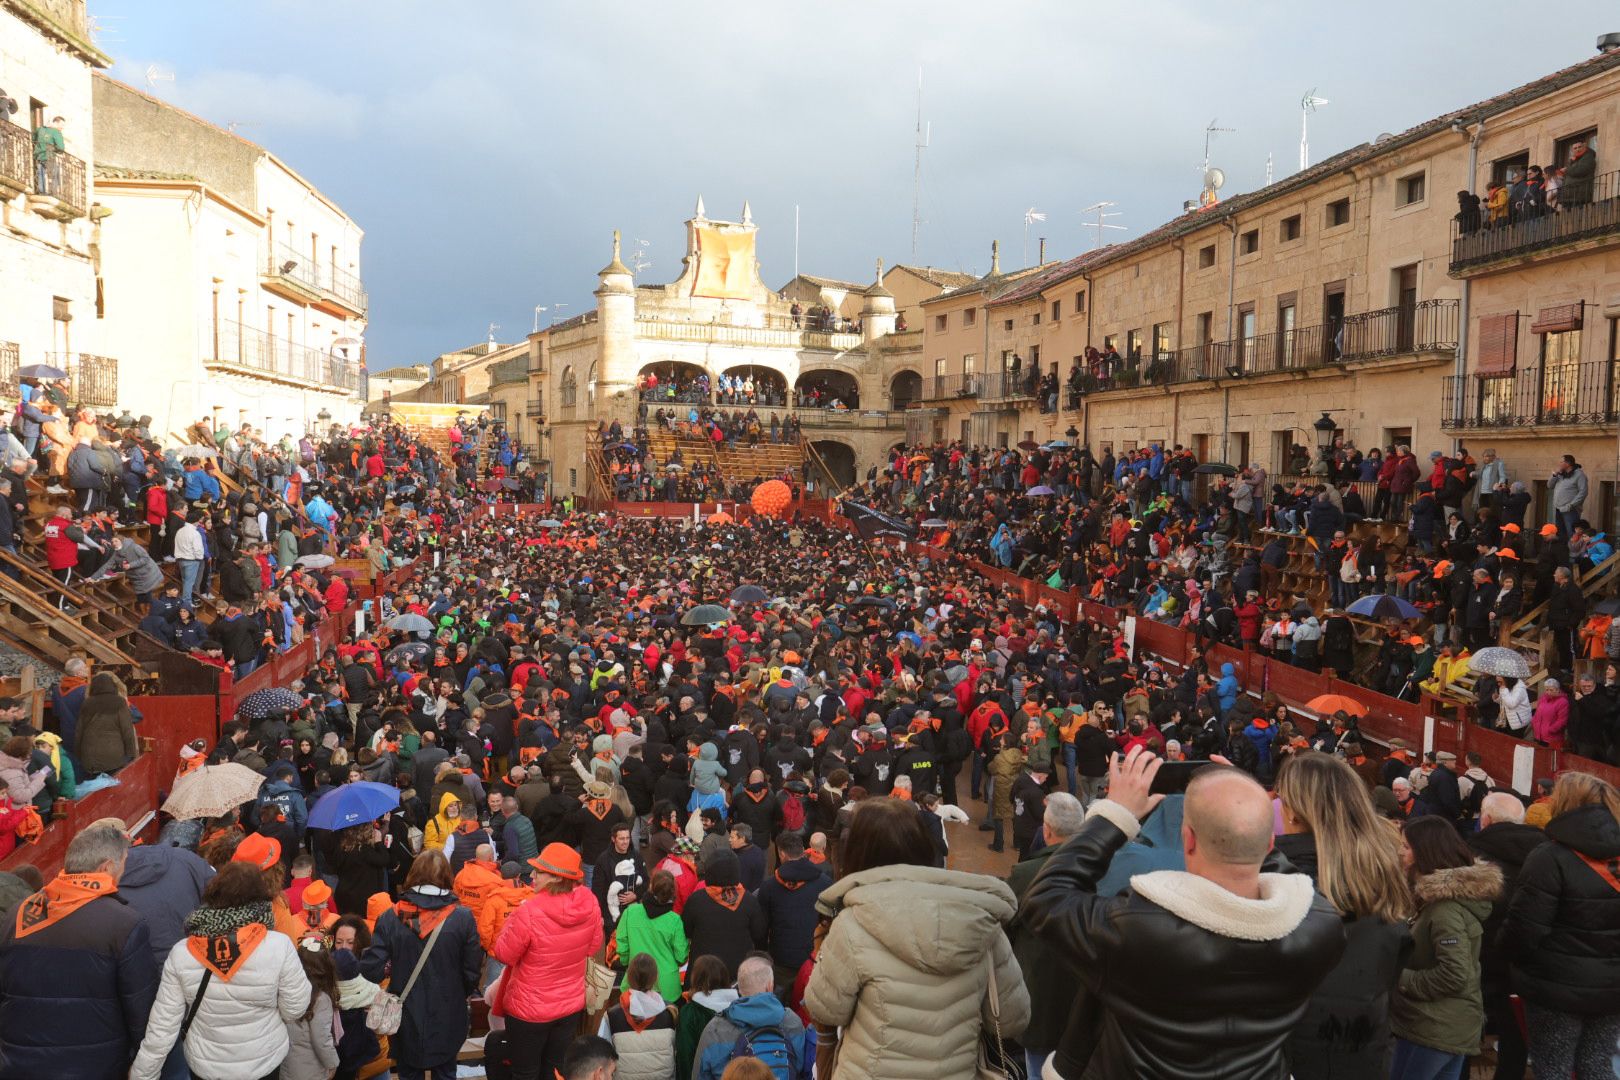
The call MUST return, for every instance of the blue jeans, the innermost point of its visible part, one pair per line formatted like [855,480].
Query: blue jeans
[590,875]
[1414,1062]
[1073,776]
[1566,522]
[190,573]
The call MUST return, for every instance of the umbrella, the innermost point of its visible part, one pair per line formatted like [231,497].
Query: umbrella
[935,523]
[1215,468]
[1384,606]
[550,523]
[1029,444]
[672,467]
[1495,660]
[632,447]
[411,623]
[1332,703]
[1058,444]
[749,594]
[353,804]
[1040,489]
[411,650]
[213,790]
[41,371]
[510,484]
[194,451]
[875,601]
[268,702]
[705,615]
[315,562]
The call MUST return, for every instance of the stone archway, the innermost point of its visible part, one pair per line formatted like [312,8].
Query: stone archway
[666,382]
[822,388]
[751,384]
[832,465]
[904,389]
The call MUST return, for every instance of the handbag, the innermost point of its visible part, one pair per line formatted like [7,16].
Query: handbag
[995,1063]
[599,982]
[386,1010]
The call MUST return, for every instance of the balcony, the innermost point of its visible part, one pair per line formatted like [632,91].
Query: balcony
[535,407]
[1549,235]
[301,278]
[10,361]
[232,348]
[1007,385]
[778,332]
[950,387]
[1561,395]
[16,160]
[93,380]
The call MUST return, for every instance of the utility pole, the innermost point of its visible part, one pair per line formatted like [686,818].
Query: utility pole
[923,134]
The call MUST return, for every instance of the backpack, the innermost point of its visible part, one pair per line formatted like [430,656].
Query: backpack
[770,1045]
[793,814]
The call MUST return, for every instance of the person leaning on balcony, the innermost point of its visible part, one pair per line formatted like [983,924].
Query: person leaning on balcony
[47,144]
[1579,172]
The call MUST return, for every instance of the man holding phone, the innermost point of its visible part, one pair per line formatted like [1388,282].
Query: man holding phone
[1196,974]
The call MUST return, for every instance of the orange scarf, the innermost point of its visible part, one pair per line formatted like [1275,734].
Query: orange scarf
[790,886]
[60,898]
[815,856]
[599,808]
[718,894]
[638,1026]
[226,953]
[422,920]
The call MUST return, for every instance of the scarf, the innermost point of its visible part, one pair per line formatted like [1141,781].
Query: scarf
[422,920]
[790,886]
[727,896]
[815,856]
[60,898]
[356,993]
[222,939]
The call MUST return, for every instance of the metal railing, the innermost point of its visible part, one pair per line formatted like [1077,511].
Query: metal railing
[325,278]
[63,176]
[568,394]
[945,387]
[243,346]
[1428,326]
[344,286]
[10,361]
[1560,394]
[16,156]
[1562,225]
[536,407]
[1008,385]
[92,379]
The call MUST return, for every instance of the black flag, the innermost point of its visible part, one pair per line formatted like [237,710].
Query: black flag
[872,524]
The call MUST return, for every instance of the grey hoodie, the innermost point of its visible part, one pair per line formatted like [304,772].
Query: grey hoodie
[707,770]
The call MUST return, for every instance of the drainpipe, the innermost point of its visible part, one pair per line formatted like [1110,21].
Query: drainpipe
[1085,406]
[1459,384]
[1181,290]
[1231,307]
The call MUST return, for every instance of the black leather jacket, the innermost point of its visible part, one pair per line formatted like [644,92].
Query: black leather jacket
[1165,997]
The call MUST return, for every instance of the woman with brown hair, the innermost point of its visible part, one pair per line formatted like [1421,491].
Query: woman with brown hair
[911,1001]
[708,994]
[429,937]
[1332,832]
[360,862]
[1562,932]
[1438,1012]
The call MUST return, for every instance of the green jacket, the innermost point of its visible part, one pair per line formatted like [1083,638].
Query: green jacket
[1438,1002]
[663,938]
[47,142]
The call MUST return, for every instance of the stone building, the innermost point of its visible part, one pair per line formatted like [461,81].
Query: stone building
[1346,289]
[720,319]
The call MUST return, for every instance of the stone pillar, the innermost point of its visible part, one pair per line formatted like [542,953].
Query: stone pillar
[616,326]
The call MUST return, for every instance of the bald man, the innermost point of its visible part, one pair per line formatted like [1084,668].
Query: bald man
[1194,974]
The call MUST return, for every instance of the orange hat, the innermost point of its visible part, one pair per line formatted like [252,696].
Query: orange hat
[790,657]
[1442,568]
[376,904]
[1507,553]
[1509,527]
[316,893]
[559,860]
[1549,529]
[260,850]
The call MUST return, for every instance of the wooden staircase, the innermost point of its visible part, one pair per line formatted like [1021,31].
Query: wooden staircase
[54,623]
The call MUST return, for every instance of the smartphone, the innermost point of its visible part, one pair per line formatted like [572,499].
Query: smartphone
[1174,776]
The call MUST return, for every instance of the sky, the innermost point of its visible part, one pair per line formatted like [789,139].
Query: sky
[489,148]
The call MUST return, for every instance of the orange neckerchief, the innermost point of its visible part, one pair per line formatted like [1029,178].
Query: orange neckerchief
[422,920]
[757,798]
[191,764]
[599,808]
[899,793]
[226,954]
[61,897]
[717,893]
[817,857]
[1607,869]
[790,886]
[638,1026]
[467,825]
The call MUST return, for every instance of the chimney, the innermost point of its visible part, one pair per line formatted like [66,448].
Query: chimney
[1041,259]
[1608,43]
[995,256]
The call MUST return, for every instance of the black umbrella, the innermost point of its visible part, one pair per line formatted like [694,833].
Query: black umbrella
[269,702]
[1216,468]
[749,594]
[876,601]
[411,650]
[705,614]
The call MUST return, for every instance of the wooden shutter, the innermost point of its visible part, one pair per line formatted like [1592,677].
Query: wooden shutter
[1558,319]
[1498,344]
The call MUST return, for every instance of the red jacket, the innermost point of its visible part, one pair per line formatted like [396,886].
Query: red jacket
[1248,617]
[374,465]
[60,552]
[544,945]
[157,505]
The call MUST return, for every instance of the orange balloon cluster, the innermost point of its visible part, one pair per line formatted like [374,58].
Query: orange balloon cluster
[771,498]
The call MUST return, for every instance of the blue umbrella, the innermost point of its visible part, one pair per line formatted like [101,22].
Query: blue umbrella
[353,804]
[1384,606]
[1040,489]
[632,447]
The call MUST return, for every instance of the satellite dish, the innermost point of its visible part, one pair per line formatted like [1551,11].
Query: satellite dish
[1213,179]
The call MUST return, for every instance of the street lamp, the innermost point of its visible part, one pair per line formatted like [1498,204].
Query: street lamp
[1073,433]
[1325,427]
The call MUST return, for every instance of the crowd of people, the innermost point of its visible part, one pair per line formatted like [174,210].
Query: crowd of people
[684,841]
[637,474]
[1530,192]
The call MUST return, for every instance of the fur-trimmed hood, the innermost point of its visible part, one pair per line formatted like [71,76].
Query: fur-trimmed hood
[1479,883]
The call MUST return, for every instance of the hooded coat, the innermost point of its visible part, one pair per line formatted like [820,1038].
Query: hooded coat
[905,971]
[788,901]
[707,771]
[164,884]
[724,920]
[105,736]
[1562,932]
[544,945]
[1439,1004]
[747,1015]
[648,927]
[434,1024]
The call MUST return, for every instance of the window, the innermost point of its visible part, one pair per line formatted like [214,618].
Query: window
[1034,357]
[1409,189]
[970,373]
[1560,374]
[1563,148]
[1161,340]
[939,377]
[970,317]
[1057,310]
[1249,242]
[1338,213]
[1206,256]
[1504,170]
[1035,320]
[1007,324]
[1080,302]
[1289,229]
[940,322]
[1111,342]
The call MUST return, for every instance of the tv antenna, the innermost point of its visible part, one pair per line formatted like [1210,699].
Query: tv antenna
[155,75]
[1103,214]
[1031,216]
[924,134]
[1307,105]
[638,257]
[492,328]
[1210,131]
[538,308]
[1268,168]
